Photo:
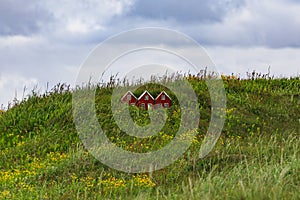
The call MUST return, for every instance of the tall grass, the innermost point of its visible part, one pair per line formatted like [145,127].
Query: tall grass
[257,156]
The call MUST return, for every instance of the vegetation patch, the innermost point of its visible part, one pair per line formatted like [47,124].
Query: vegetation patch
[256,157]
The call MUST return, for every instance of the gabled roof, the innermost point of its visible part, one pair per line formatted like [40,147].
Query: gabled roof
[146,92]
[163,92]
[130,94]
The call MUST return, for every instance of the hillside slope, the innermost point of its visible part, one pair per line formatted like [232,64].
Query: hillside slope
[257,156]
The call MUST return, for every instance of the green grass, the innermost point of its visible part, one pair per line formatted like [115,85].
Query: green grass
[256,157]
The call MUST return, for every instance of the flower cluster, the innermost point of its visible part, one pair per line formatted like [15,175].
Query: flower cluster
[5,194]
[143,181]
[112,182]
[109,182]
[20,176]
[55,157]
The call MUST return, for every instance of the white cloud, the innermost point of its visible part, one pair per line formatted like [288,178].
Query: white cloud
[77,26]
[12,87]
[282,62]
[18,41]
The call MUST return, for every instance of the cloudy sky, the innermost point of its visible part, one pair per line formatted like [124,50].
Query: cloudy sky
[46,41]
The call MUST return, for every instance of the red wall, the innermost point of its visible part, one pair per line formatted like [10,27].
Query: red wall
[132,100]
[142,100]
[160,101]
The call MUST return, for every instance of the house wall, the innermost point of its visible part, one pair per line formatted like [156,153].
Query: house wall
[146,102]
[133,99]
[142,101]
[162,102]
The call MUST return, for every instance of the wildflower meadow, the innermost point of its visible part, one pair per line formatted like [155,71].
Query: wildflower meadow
[256,157]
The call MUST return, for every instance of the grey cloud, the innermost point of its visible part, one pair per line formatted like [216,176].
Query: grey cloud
[184,11]
[273,24]
[248,23]
[21,18]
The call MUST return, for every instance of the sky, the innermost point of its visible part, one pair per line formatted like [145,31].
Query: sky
[45,42]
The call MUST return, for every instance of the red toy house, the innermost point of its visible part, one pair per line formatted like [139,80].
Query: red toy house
[129,98]
[145,101]
[163,100]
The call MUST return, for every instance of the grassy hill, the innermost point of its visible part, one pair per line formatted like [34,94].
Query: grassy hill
[256,157]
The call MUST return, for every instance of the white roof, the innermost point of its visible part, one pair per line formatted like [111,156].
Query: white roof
[163,92]
[146,92]
[129,93]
